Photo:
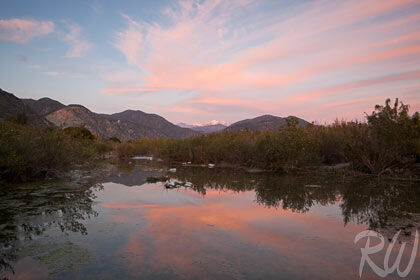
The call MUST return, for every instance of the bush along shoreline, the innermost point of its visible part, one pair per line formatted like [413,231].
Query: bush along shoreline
[387,143]
[30,153]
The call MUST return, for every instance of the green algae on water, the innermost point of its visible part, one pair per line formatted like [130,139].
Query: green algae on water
[59,257]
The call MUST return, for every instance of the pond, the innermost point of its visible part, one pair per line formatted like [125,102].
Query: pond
[212,224]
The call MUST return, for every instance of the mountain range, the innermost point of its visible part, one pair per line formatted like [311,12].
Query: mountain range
[159,125]
[126,125]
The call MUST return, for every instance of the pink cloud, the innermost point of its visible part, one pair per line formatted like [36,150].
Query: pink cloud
[311,96]
[293,103]
[352,102]
[23,30]
[129,90]
[79,46]
[129,206]
[203,222]
[130,41]
[169,63]
[269,60]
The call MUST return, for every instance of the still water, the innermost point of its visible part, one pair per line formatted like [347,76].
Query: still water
[222,224]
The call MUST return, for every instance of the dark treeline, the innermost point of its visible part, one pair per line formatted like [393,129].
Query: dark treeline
[390,138]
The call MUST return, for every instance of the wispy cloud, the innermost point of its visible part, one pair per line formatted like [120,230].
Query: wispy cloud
[67,75]
[130,90]
[130,41]
[96,7]
[251,54]
[23,30]
[78,44]
[34,66]
[314,95]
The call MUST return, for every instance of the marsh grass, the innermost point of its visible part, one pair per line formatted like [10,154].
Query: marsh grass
[389,138]
[29,152]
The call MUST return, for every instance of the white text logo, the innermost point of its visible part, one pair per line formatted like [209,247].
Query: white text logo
[368,250]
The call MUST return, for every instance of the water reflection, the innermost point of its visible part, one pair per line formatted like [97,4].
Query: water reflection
[29,210]
[135,176]
[228,224]
[382,205]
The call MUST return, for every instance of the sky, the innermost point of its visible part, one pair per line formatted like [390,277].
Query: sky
[198,61]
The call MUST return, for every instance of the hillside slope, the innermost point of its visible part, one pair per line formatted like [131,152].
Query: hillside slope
[153,122]
[76,115]
[265,122]
[10,106]
[43,106]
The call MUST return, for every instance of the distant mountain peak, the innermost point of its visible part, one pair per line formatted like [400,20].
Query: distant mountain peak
[213,126]
[215,122]
[153,122]
[43,106]
[77,106]
[265,122]
[10,106]
[197,124]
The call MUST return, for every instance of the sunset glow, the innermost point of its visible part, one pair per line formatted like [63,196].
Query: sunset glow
[197,61]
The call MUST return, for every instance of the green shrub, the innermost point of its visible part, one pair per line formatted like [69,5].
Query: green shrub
[125,150]
[390,137]
[28,152]
[132,148]
[332,142]
[115,140]
[19,118]
[79,132]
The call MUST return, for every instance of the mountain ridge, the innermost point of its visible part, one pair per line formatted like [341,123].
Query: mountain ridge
[77,115]
[10,106]
[43,106]
[126,125]
[49,112]
[152,121]
[265,122]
